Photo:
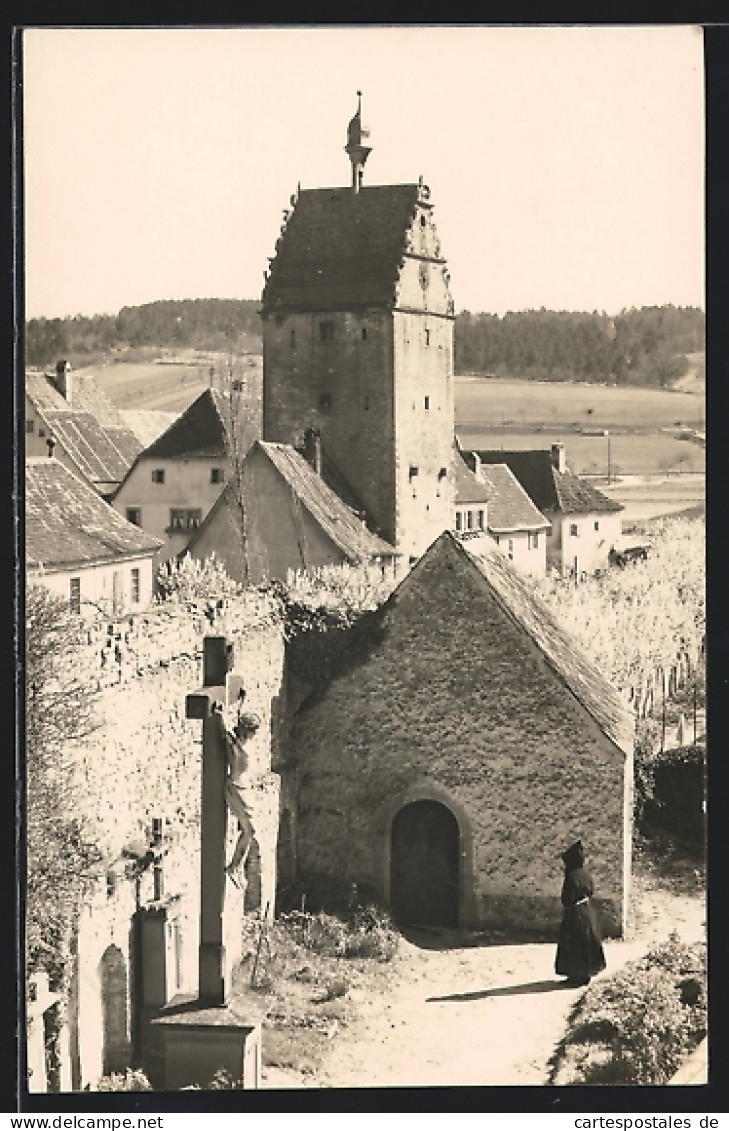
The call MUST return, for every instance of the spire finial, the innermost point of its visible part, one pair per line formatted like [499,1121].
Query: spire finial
[356,147]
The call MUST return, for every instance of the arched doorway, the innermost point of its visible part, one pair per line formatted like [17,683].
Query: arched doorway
[425,853]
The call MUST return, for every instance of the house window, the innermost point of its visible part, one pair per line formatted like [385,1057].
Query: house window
[480,520]
[510,549]
[573,530]
[237,385]
[325,400]
[427,403]
[182,518]
[459,521]
[74,595]
[216,475]
[134,587]
[29,427]
[326,331]
[422,221]
[469,519]
[534,541]
[134,515]
[597,526]
[158,475]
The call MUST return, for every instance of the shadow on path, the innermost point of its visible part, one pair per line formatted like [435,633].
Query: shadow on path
[507,991]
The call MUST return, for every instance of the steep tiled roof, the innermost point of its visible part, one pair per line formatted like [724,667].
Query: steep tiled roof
[68,523]
[561,651]
[202,429]
[509,506]
[89,427]
[341,248]
[468,489]
[548,488]
[336,519]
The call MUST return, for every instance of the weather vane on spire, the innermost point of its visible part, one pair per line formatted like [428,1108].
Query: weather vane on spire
[358,152]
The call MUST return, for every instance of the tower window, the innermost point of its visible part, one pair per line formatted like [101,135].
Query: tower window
[292,339]
[427,403]
[423,221]
[325,400]
[326,331]
[427,337]
[413,472]
[364,333]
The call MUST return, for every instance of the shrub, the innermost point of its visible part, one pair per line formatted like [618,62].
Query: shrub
[366,933]
[638,1025]
[670,790]
[133,1080]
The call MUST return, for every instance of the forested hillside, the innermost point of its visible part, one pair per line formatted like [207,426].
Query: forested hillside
[636,347]
[203,323]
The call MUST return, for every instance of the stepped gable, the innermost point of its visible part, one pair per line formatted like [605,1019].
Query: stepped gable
[549,489]
[335,518]
[341,249]
[201,430]
[88,427]
[509,506]
[67,522]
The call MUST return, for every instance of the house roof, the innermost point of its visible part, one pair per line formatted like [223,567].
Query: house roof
[468,488]
[549,489]
[338,521]
[68,524]
[341,248]
[509,506]
[201,430]
[89,427]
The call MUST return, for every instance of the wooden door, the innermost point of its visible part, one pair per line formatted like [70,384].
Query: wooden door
[424,865]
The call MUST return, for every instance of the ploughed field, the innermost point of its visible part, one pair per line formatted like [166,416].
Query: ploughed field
[650,431]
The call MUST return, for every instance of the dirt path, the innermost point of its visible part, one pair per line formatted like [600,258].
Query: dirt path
[469,1015]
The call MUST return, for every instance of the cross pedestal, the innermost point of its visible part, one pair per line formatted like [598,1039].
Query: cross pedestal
[211,1031]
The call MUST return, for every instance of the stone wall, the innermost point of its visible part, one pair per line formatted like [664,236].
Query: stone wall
[144,762]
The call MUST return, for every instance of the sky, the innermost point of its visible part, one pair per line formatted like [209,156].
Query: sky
[566,164]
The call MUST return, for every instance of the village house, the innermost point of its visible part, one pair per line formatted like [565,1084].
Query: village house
[584,523]
[517,527]
[293,521]
[456,746]
[174,483]
[68,417]
[78,547]
[358,345]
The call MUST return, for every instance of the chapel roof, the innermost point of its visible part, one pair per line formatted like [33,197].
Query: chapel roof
[68,524]
[341,248]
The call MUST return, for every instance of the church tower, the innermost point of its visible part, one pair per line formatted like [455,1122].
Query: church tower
[358,349]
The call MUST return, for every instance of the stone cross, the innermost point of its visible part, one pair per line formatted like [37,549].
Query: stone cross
[221,688]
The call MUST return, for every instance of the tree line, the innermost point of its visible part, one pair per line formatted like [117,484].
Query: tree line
[646,346]
[203,323]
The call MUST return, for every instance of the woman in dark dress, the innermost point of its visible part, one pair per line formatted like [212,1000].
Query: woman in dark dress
[579,948]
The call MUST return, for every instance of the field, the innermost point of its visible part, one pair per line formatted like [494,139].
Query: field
[644,426]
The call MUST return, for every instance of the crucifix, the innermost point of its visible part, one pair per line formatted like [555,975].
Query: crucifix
[221,689]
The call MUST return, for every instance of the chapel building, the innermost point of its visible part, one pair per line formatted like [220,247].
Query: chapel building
[358,348]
